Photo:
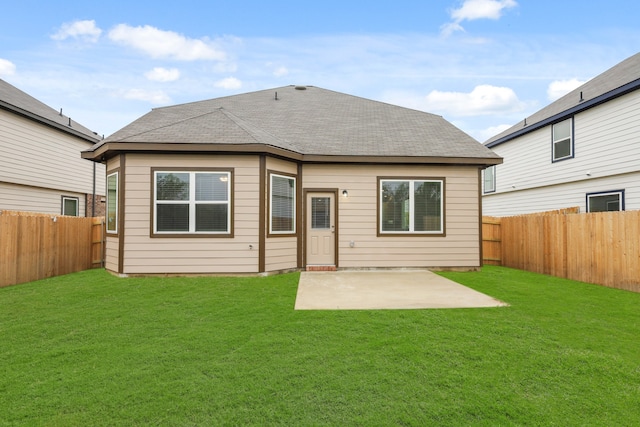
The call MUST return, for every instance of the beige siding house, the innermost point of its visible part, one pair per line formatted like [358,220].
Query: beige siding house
[41,169]
[296,177]
[580,151]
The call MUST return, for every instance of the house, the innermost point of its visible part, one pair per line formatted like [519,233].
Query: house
[291,178]
[583,150]
[41,169]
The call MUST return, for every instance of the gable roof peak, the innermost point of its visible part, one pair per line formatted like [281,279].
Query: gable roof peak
[618,80]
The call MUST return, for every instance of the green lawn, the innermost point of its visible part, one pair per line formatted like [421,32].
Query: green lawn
[93,349]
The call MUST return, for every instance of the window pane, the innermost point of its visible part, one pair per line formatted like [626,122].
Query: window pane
[70,207]
[282,203]
[489,179]
[212,187]
[172,186]
[112,202]
[604,203]
[562,130]
[320,213]
[212,217]
[562,149]
[427,214]
[173,217]
[395,205]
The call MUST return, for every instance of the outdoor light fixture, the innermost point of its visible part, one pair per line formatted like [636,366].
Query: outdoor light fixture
[345,193]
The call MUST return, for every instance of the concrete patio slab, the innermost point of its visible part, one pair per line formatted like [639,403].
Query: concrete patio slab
[374,290]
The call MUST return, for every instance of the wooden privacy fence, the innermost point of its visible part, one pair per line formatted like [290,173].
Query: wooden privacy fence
[36,246]
[602,247]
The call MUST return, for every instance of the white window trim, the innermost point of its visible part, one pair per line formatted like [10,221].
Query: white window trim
[75,199]
[115,229]
[271,176]
[620,194]
[493,181]
[554,141]
[411,182]
[191,202]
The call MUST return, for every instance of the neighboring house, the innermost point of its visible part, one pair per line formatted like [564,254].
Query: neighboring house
[41,169]
[290,178]
[582,150]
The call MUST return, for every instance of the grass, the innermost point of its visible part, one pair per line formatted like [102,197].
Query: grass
[93,349]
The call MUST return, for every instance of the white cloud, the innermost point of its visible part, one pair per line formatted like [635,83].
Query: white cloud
[156,97]
[482,100]
[229,83]
[280,72]
[165,44]
[491,131]
[559,88]
[82,30]
[159,74]
[471,10]
[7,68]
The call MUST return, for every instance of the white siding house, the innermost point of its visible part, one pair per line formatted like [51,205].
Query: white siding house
[582,150]
[41,169]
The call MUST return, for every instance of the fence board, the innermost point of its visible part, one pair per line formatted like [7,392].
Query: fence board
[602,248]
[37,246]
[491,241]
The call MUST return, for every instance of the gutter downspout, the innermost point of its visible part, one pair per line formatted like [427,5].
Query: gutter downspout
[93,199]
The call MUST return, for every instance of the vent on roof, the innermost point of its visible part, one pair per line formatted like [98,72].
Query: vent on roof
[301,88]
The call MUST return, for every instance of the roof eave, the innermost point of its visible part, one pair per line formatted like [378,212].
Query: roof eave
[35,117]
[585,105]
[111,149]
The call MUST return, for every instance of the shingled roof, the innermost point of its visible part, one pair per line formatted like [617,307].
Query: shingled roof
[617,81]
[18,102]
[305,123]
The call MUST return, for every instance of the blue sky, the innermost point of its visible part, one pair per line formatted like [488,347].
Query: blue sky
[482,64]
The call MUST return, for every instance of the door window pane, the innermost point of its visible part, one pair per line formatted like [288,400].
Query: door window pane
[320,213]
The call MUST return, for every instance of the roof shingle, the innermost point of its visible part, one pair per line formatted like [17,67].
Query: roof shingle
[306,120]
[19,102]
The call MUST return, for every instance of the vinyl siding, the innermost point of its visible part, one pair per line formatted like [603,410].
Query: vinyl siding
[187,255]
[111,253]
[15,197]
[357,220]
[563,196]
[281,253]
[605,145]
[39,156]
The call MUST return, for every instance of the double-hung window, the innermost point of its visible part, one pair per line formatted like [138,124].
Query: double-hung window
[562,136]
[411,206]
[489,179]
[112,203]
[282,204]
[187,202]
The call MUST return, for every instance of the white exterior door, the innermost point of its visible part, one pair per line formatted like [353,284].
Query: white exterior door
[321,230]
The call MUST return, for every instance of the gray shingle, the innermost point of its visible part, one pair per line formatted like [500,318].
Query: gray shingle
[625,72]
[13,99]
[307,120]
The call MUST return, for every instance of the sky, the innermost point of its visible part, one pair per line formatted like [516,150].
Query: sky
[483,65]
